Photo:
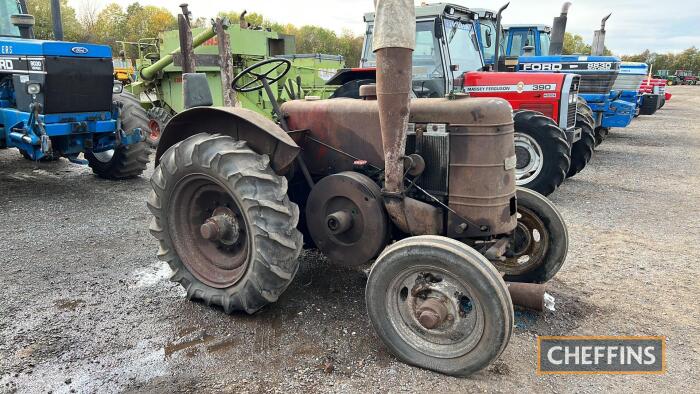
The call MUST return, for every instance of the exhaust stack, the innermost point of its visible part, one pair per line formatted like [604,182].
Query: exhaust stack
[598,47]
[56,19]
[394,41]
[556,46]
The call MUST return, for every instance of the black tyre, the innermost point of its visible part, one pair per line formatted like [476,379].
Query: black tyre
[438,304]
[224,223]
[582,150]
[158,117]
[133,115]
[541,151]
[540,242]
[126,161]
[663,101]
[600,133]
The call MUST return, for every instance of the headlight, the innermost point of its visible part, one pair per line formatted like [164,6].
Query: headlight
[33,88]
[573,98]
[117,87]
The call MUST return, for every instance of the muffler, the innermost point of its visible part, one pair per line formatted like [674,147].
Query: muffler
[394,41]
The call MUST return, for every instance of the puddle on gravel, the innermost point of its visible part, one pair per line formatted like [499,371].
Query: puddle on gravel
[68,305]
[152,275]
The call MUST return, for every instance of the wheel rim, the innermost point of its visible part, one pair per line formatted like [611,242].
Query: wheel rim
[530,244]
[209,231]
[154,126]
[104,157]
[458,327]
[529,159]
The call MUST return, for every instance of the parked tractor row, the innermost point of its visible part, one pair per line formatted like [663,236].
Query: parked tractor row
[429,163]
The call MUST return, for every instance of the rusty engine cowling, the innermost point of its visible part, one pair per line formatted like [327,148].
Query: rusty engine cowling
[481,174]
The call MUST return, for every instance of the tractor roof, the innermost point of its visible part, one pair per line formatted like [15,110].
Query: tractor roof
[543,28]
[436,9]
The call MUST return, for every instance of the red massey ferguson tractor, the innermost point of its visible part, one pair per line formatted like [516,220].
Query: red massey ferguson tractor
[422,189]
[551,142]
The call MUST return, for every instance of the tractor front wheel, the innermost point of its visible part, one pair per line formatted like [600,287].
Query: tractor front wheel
[540,241]
[438,304]
[542,153]
[224,223]
[582,150]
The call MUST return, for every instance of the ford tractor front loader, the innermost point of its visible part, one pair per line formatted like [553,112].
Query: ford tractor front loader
[422,189]
[59,99]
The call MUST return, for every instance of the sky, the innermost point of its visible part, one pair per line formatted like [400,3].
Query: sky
[635,25]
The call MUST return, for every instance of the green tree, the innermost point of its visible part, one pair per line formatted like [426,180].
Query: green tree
[43,29]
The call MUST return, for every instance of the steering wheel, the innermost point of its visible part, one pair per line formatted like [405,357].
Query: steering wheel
[261,78]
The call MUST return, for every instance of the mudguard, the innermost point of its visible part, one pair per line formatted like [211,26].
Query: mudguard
[261,134]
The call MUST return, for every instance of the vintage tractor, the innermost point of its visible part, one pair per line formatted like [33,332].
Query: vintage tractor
[448,59]
[161,81]
[59,99]
[422,189]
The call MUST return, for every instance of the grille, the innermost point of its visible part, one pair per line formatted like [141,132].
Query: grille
[598,83]
[571,116]
[434,147]
[78,85]
[628,82]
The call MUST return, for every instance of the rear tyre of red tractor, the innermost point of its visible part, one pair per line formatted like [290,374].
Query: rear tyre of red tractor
[438,304]
[224,223]
[542,152]
[582,150]
[540,242]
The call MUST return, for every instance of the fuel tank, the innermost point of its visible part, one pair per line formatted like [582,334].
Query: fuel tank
[466,141]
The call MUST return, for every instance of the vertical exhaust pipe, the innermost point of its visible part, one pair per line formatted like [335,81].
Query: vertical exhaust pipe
[598,47]
[56,19]
[556,46]
[394,41]
[496,54]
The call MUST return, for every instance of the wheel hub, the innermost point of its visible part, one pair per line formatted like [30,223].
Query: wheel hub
[434,312]
[529,244]
[529,159]
[221,227]
[209,231]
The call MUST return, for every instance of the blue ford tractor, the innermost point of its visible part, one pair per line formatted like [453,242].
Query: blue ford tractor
[608,107]
[627,84]
[59,99]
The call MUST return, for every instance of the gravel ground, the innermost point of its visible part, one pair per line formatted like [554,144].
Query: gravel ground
[86,306]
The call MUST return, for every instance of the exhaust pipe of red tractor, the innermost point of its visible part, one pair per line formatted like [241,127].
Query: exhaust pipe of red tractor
[394,41]
[556,46]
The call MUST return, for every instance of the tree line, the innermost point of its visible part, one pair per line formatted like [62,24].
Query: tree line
[114,23]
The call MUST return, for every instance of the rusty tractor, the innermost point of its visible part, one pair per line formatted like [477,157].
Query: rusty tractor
[423,190]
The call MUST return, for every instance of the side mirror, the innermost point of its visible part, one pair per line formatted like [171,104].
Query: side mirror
[487,37]
[438,28]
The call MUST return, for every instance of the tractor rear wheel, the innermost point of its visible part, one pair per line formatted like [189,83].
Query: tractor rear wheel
[540,242]
[158,117]
[438,304]
[582,150]
[125,161]
[542,152]
[224,223]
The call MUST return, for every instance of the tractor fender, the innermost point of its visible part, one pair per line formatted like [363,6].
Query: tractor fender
[262,134]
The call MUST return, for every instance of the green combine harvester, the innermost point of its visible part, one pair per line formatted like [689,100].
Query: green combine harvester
[159,81]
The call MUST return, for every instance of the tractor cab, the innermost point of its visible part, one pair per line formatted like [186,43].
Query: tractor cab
[520,38]
[447,46]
